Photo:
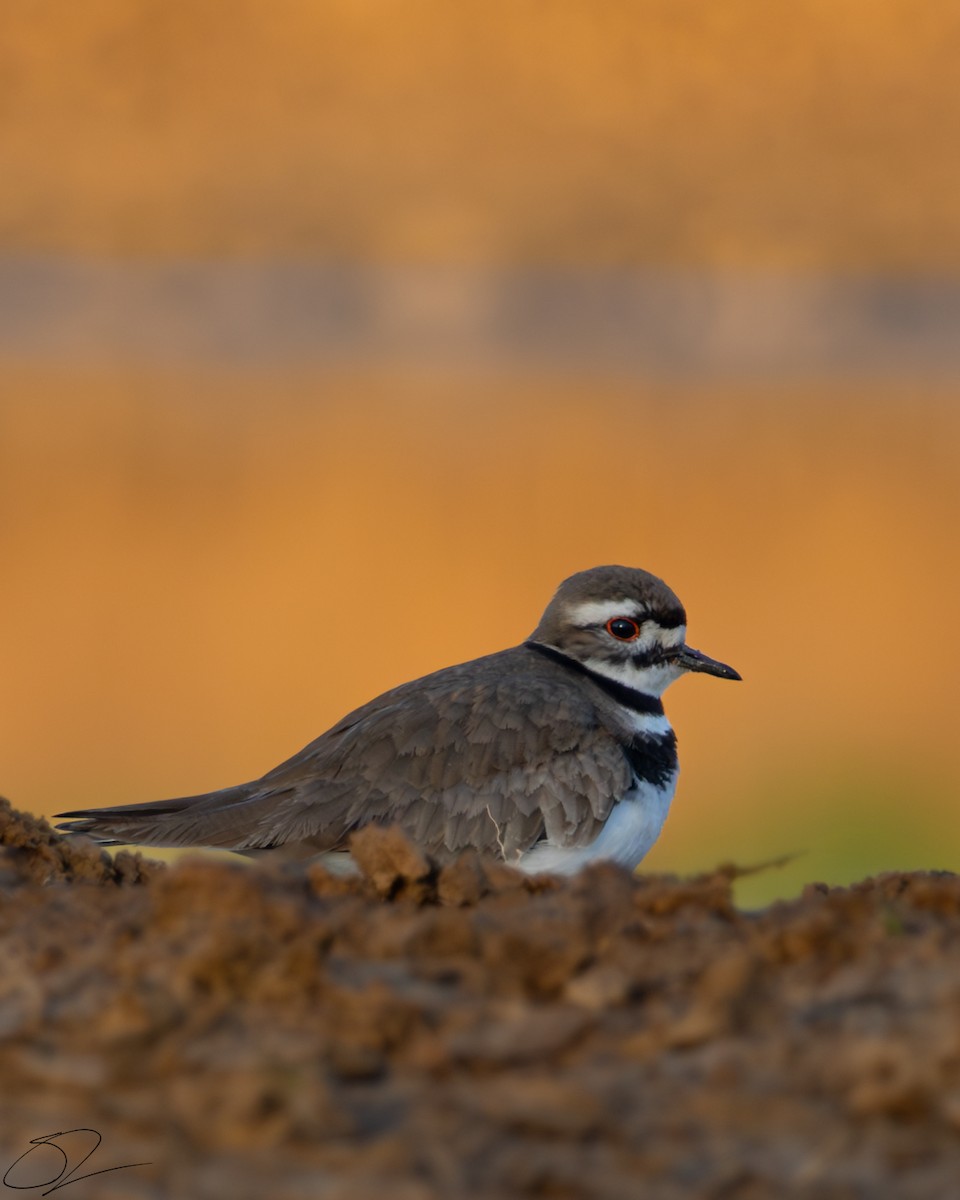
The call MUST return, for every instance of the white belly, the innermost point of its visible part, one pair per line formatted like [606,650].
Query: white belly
[631,829]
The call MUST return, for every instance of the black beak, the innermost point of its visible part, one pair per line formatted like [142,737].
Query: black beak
[693,660]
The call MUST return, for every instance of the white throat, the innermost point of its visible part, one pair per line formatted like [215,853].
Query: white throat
[652,680]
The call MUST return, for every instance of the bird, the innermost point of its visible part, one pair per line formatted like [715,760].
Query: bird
[548,756]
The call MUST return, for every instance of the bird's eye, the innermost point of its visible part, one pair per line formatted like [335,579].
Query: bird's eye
[623,629]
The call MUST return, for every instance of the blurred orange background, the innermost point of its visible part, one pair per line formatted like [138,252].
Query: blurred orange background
[333,336]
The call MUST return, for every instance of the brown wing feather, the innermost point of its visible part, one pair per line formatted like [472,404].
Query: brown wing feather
[492,754]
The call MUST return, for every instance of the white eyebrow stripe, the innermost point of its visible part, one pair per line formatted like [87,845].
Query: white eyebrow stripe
[599,612]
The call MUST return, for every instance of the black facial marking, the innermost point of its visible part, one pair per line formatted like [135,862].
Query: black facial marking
[652,757]
[646,658]
[636,701]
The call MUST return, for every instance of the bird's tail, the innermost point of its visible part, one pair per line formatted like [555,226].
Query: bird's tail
[228,819]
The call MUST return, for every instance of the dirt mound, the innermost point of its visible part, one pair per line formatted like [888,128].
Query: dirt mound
[423,1033]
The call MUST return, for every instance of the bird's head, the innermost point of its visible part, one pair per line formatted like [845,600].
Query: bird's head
[626,624]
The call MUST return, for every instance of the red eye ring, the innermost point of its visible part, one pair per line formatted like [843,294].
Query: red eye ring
[624,629]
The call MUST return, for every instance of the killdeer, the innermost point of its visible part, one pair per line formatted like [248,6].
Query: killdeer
[550,755]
